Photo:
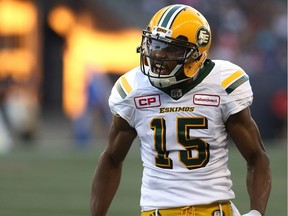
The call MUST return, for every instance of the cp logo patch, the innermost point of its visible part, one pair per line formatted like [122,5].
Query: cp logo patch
[147,101]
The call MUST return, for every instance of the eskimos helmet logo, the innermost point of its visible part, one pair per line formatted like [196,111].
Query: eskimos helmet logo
[203,37]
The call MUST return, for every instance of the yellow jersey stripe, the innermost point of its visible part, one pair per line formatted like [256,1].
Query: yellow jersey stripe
[124,83]
[232,78]
[236,84]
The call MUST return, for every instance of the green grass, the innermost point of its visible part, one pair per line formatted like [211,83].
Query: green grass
[56,181]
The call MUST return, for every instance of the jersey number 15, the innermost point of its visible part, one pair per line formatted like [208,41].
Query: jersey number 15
[198,145]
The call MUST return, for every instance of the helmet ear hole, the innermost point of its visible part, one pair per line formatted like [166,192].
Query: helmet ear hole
[196,55]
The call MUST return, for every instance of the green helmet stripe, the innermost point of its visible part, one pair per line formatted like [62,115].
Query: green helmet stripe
[169,15]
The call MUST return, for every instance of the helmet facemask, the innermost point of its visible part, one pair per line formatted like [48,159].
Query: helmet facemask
[164,59]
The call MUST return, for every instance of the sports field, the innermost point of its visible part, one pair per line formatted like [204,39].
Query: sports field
[56,181]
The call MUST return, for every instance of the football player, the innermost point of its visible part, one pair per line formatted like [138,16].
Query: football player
[184,108]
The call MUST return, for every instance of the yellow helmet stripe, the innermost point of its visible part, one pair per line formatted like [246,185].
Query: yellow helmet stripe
[169,15]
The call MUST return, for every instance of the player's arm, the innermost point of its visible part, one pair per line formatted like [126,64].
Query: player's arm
[108,171]
[244,132]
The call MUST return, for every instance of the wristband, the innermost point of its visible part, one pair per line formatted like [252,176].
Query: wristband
[253,213]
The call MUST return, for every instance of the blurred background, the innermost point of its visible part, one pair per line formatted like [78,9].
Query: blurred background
[60,58]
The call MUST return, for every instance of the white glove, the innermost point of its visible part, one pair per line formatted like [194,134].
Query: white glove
[253,213]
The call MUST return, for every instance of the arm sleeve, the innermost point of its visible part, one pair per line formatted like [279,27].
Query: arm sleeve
[238,93]
[121,103]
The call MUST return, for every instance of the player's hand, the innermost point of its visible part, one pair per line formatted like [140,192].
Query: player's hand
[253,213]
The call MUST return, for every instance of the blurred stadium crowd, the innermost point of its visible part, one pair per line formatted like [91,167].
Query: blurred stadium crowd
[250,33]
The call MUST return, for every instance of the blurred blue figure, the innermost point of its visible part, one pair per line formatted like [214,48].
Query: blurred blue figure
[96,117]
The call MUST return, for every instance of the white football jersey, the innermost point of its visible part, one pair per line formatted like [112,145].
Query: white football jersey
[183,140]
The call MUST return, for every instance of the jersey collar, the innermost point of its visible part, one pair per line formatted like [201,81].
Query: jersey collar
[190,84]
